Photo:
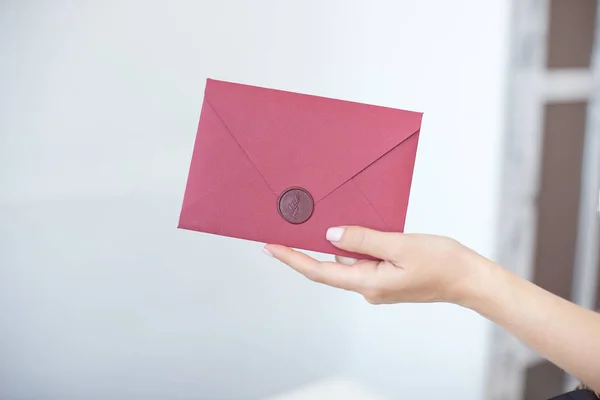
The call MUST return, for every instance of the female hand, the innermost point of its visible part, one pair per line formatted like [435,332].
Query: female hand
[425,268]
[415,268]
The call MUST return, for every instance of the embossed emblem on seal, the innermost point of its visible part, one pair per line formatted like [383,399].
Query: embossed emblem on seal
[295,205]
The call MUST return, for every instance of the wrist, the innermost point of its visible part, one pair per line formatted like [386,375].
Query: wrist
[480,275]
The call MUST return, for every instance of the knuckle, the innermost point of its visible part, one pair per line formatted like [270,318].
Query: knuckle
[314,276]
[397,250]
[372,301]
[450,247]
[374,296]
[358,239]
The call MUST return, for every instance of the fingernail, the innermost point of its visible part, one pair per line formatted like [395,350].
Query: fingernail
[334,234]
[267,252]
[347,260]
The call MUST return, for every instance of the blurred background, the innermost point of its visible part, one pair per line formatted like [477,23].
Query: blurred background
[101,297]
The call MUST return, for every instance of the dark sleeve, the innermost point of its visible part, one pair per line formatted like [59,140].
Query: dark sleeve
[577,395]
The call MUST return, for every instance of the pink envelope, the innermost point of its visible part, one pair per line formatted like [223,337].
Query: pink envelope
[281,167]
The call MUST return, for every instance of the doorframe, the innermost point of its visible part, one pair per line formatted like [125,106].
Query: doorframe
[531,86]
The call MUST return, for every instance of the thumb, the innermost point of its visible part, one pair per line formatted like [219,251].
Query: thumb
[382,245]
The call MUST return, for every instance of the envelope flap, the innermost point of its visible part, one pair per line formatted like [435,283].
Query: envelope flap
[300,140]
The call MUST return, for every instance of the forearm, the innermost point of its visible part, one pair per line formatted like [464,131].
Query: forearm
[564,333]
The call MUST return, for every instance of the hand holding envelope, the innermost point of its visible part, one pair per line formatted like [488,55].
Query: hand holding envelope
[408,268]
[281,167]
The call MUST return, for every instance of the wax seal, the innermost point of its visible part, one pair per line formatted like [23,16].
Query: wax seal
[295,205]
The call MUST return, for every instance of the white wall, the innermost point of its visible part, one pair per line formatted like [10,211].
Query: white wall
[100,295]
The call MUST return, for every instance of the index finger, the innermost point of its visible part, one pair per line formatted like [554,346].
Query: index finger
[329,273]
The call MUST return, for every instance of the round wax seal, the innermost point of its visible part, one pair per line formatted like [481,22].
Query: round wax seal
[295,205]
